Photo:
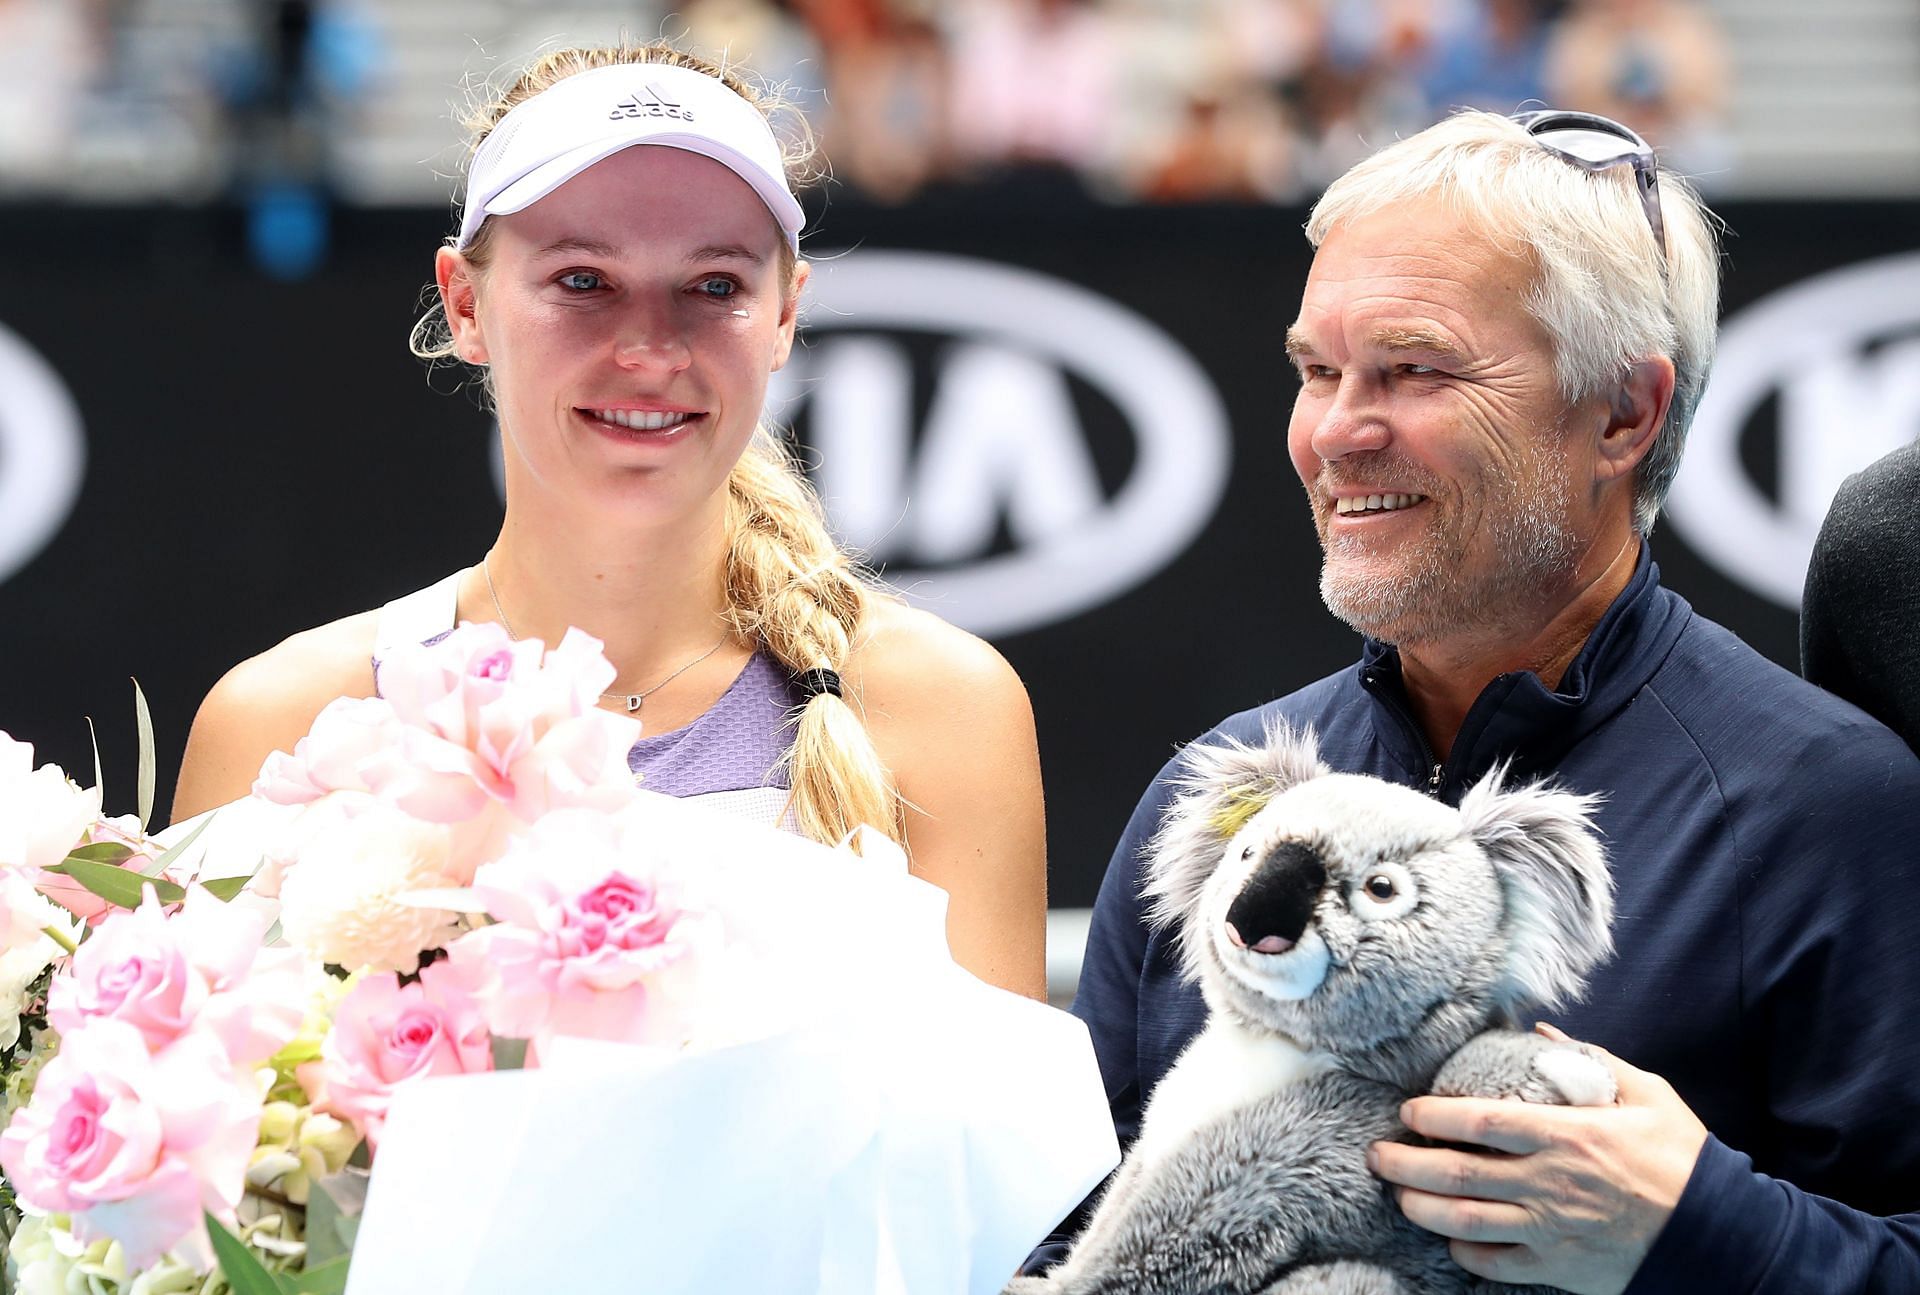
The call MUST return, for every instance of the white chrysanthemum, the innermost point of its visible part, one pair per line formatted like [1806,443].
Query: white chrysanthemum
[339,899]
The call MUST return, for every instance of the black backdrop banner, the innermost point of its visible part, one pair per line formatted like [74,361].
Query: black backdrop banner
[1062,424]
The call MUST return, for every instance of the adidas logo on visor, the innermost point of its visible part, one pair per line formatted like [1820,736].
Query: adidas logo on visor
[654,105]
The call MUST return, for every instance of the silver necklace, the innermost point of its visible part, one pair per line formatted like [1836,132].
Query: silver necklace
[631,700]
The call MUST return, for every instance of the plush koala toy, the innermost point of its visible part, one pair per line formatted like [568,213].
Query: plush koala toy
[1357,943]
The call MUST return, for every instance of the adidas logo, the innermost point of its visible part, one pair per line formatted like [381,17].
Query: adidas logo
[650,104]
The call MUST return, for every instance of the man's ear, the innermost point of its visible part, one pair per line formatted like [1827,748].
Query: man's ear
[459,299]
[1635,416]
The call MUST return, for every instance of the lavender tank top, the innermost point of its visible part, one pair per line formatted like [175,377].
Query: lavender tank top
[731,757]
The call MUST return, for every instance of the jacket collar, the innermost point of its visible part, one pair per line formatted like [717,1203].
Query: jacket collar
[1517,717]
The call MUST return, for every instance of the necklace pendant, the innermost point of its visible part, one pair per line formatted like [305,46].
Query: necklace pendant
[633,701]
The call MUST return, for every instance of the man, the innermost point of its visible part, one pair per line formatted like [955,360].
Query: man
[1860,618]
[1506,329]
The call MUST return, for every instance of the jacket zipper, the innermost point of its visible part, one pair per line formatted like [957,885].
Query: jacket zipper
[1437,769]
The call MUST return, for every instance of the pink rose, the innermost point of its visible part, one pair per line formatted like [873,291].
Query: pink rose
[201,970]
[386,1034]
[132,1145]
[43,814]
[591,937]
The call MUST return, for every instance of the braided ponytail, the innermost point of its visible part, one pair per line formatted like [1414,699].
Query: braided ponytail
[790,587]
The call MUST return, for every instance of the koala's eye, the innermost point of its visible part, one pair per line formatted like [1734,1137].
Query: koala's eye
[1385,891]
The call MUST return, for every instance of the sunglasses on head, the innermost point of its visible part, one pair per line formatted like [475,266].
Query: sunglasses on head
[1595,143]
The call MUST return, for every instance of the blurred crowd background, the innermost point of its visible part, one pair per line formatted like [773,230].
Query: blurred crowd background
[292,106]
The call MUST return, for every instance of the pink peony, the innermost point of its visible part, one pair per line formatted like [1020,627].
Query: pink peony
[199,971]
[133,1145]
[490,721]
[590,937]
[385,1034]
[349,743]
[43,814]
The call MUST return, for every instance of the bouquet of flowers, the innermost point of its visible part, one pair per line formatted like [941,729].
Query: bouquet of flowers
[405,1001]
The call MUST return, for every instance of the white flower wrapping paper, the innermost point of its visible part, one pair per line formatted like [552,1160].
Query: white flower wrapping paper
[856,1113]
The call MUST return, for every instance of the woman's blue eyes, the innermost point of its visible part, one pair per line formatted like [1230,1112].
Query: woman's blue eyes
[718,287]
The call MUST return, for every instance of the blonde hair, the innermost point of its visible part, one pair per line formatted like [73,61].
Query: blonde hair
[1599,288]
[788,584]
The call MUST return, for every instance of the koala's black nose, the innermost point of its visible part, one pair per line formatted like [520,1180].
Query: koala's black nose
[1273,908]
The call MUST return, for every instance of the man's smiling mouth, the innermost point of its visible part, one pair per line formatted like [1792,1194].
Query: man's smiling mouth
[1358,505]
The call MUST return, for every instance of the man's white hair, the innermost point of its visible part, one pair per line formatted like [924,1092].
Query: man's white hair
[1598,288]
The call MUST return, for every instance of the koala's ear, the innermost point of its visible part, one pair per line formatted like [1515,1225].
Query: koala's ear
[1558,889]
[1220,786]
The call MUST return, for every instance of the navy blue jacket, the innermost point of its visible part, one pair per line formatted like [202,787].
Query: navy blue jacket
[1765,842]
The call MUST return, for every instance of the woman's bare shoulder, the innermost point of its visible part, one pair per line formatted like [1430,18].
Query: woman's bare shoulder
[907,660]
[266,704]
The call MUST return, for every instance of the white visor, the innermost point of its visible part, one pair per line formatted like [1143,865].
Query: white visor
[547,140]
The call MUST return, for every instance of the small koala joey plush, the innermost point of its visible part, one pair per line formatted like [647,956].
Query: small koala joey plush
[1356,943]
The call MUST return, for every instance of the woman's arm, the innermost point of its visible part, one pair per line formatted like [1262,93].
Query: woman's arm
[266,704]
[952,721]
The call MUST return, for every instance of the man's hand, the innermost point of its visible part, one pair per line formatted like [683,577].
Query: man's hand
[1566,1196]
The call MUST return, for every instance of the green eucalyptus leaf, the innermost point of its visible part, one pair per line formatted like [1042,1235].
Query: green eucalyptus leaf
[117,885]
[173,855]
[225,888]
[111,853]
[329,1278]
[99,778]
[333,1215]
[244,1271]
[509,1054]
[143,720]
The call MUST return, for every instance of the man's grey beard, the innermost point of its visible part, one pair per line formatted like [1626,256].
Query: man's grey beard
[1432,594]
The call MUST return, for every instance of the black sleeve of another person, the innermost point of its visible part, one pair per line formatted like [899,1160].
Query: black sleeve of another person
[1860,618]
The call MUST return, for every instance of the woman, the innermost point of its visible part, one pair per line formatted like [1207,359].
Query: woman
[626,276]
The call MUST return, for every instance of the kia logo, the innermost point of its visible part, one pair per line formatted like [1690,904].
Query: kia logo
[1839,356]
[1010,448]
[43,454]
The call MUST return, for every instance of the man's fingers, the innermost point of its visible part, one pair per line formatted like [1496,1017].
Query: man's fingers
[1515,1127]
[1464,1220]
[1445,1172]
[1517,1265]
[1637,1087]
